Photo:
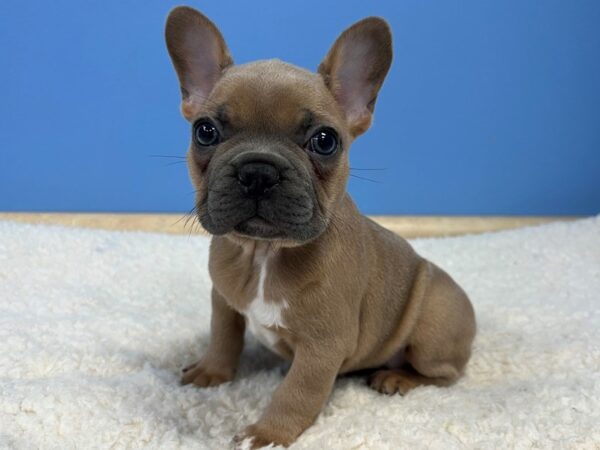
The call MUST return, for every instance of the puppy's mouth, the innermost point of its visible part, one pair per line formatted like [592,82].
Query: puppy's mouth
[285,218]
[252,219]
[258,227]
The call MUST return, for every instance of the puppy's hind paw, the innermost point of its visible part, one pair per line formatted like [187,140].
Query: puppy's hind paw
[392,382]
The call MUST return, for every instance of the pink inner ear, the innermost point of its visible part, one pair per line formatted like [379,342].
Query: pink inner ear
[203,61]
[354,90]
[354,96]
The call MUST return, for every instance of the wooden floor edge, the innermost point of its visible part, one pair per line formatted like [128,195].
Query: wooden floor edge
[407,226]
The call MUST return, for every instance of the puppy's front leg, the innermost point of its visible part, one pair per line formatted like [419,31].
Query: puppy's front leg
[297,401]
[220,362]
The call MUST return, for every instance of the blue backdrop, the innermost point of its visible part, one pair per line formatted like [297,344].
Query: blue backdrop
[490,107]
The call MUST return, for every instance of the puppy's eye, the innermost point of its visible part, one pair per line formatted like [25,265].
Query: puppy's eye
[205,133]
[324,142]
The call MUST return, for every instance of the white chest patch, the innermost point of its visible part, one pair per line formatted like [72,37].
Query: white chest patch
[262,315]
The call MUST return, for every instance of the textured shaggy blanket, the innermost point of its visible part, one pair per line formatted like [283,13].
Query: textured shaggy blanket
[95,327]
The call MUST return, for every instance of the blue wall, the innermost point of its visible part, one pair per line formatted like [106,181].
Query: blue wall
[490,107]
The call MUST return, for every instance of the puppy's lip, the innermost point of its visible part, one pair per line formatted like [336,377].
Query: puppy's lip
[258,221]
[258,227]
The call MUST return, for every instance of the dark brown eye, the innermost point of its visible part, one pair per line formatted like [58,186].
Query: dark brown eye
[324,142]
[205,133]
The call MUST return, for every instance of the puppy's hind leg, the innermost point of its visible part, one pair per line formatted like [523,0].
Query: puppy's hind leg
[439,346]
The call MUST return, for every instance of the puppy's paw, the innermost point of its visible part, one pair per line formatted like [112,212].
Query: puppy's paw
[391,382]
[253,437]
[202,376]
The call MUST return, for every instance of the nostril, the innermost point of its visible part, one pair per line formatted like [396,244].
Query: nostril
[244,178]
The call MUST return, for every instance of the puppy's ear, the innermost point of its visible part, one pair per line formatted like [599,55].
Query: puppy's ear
[199,54]
[355,67]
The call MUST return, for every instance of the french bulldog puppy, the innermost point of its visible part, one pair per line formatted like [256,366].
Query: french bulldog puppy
[291,257]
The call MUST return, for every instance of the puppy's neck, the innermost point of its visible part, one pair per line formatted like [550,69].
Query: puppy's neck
[258,251]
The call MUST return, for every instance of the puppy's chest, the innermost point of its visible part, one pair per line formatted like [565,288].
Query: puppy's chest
[253,295]
[264,316]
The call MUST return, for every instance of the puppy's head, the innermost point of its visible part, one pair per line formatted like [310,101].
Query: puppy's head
[269,148]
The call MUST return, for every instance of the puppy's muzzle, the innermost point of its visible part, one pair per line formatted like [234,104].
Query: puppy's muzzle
[262,194]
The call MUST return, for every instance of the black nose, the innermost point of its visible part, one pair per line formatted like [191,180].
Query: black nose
[257,178]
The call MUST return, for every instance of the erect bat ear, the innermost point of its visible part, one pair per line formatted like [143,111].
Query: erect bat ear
[355,67]
[199,55]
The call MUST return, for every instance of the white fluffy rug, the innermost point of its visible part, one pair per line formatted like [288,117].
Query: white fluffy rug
[95,327]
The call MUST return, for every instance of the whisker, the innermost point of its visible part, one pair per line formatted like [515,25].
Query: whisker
[167,156]
[361,168]
[365,178]
[186,215]
[174,162]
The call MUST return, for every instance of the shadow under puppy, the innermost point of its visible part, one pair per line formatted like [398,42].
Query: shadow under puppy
[291,257]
